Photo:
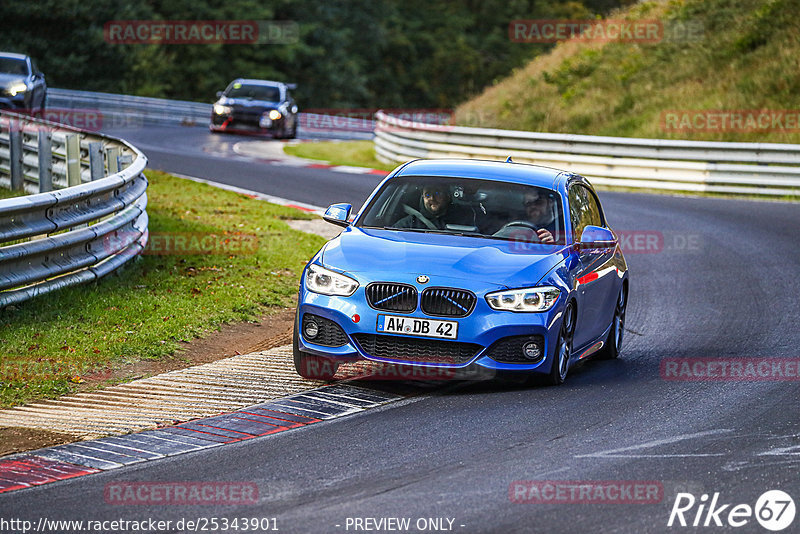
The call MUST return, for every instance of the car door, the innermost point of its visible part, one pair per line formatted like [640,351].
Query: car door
[595,275]
[38,87]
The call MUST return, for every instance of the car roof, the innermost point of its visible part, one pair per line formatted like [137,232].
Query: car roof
[258,82]
[13,55]
[519,173]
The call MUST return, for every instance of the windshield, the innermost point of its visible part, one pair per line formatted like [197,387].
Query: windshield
[254,92]
[13,66]
[467,206]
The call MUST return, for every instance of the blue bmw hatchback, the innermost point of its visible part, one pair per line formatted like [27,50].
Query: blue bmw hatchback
[463,263]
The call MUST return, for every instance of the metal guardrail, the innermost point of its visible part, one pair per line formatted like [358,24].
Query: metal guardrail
[86,216]
[736,168]
[126,111]
[116,111]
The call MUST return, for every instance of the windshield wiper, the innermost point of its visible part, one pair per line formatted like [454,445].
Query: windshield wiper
[443,232]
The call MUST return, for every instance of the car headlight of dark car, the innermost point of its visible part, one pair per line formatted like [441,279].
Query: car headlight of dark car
[275,114]
[16,88]
[529,299]
[221,109]
[327,282]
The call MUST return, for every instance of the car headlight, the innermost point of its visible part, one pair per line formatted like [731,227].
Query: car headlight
[530,299]
[17,88]
[274,114]
[219,109]
[327,282]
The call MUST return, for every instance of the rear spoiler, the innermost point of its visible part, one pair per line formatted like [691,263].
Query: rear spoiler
[291,86]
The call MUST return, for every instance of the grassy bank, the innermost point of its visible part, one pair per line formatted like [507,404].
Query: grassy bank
[170,294]
[734,55]
[353,153]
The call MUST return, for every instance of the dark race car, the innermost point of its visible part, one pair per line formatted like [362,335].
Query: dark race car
[256,106]
[22,85]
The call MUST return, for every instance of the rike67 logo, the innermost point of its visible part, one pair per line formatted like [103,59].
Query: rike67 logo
[774,510]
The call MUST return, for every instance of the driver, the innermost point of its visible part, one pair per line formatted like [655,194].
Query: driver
[540,210]
[433,206]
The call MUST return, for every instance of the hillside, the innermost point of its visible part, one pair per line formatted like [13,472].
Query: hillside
[736,55]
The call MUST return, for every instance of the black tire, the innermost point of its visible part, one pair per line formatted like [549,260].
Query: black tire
[308,365]
[613,343]
[563,349]
[293,135]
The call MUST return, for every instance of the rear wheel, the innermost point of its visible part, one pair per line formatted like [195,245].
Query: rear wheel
[309,365]
[563,352]
[613,342]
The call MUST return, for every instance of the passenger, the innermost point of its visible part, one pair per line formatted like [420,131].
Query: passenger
[540,210]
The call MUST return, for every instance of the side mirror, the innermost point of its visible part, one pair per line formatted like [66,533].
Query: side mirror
[338,214]
[597,237]
[219,94]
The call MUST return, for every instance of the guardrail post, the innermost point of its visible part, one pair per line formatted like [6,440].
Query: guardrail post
[125,161]
[45,162]
[73,145]
[15,155]
[96,169]
[111,160]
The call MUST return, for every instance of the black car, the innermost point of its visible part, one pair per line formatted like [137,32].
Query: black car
[22,85]
[256,106]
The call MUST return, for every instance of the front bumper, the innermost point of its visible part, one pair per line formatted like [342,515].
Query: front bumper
[13,102]
[246,123]
[483,328]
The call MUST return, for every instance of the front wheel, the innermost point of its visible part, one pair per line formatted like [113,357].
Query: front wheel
[613,343]
[563,352]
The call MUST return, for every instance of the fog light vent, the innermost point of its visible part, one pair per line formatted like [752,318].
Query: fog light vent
[321,331]
[518,349]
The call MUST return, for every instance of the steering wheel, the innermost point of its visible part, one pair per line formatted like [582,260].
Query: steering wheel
[411,211]
[502,232]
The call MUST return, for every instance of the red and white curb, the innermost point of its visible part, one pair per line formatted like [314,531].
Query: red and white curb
[62,462]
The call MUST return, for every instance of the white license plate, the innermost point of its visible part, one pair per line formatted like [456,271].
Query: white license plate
[415,326]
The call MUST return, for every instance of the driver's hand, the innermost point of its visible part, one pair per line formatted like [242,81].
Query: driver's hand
[545,236]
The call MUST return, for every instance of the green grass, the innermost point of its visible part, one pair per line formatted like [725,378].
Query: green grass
[6,193]
[353,153]
[744,58]
[47,344]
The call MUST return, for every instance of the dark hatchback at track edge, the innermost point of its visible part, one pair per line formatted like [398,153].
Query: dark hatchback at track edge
[463,263]
[22,84]
[256,106]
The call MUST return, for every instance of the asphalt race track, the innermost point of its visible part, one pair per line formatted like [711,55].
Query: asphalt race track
[197,152]
[710,278]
